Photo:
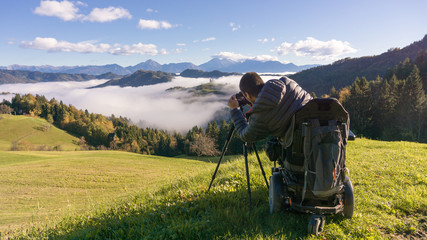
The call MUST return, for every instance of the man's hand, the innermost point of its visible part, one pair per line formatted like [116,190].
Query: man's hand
[232,102]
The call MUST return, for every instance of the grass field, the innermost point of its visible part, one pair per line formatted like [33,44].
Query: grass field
[33,133]
[117,195]
[35,186]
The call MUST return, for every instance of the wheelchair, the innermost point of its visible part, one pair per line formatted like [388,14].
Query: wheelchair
[311,175]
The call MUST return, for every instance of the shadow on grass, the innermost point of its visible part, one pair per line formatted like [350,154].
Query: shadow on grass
[215,215]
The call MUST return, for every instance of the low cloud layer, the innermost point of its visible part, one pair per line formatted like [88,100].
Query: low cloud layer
[53,45]
[152,105]
[68,11]
[317,49]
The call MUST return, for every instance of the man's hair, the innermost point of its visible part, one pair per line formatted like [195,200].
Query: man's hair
[251,83]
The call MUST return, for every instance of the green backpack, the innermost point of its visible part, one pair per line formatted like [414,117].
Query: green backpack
[324,127]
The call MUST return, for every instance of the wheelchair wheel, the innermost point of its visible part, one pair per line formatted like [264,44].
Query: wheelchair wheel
[276,192]
[316,224]
[348,198]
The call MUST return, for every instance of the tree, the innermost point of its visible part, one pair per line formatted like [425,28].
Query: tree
[203,145]
[334,93]
[213,131]
[359,106]
[414,100]
[83,144]
[343,94]
[421,63]
[5,109]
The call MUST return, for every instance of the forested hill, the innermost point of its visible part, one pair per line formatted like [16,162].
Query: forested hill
[195,73]
[18,76]
[140,78]
[343,72]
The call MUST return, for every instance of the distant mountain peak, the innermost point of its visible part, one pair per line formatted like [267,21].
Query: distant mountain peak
[219,64]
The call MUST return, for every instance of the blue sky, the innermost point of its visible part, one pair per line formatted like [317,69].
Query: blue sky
[127,32]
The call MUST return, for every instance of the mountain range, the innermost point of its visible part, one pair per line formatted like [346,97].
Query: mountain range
[224,65]
[19,76]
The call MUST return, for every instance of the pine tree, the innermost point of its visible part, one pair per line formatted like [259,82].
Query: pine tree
[213,131]
[334,93]
[359,106]
[421,63]
[415,102]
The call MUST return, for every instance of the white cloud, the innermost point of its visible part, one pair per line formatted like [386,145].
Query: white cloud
[107,14]
[138,48]
[64,10]
[151,10]
[81,3]
[67,11]
[205,40]
[266,40]
[264,58]
[181,44]
[234,26]
[240,58]
[163,51]
[231,56]
[263,40]
[317,49]
[209,39]
[153,24]
[53,45]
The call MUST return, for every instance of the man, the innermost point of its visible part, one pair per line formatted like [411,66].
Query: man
[273,105]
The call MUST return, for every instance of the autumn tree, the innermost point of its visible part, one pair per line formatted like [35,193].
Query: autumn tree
[5,109]
[203,145]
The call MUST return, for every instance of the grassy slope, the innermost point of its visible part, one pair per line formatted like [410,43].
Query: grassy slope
[390,182]
[36,186]
[28,129]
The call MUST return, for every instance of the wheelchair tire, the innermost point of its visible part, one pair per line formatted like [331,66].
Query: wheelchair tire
[276,193]
[348,198]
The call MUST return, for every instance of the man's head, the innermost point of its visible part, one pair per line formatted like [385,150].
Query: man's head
[251,83]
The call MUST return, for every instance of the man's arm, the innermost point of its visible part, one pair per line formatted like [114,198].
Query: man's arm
[249,132]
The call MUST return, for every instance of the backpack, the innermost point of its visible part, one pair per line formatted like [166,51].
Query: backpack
[325,128]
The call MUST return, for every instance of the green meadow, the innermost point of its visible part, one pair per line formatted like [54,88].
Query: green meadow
[33,133]
[118,195]
[36,186]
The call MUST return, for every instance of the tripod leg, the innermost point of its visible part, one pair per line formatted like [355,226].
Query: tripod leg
[260,165]
[224,149]
[245,153]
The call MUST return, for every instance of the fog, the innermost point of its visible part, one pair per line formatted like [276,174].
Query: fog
[149,106]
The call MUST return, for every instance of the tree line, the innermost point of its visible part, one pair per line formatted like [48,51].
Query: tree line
[392,107]
[118,133]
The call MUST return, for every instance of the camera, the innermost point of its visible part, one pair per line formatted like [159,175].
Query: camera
[241,99]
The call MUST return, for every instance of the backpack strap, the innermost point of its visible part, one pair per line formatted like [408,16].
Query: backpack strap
[308,150]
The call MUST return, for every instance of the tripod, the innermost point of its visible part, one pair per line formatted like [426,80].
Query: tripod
[245,153]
